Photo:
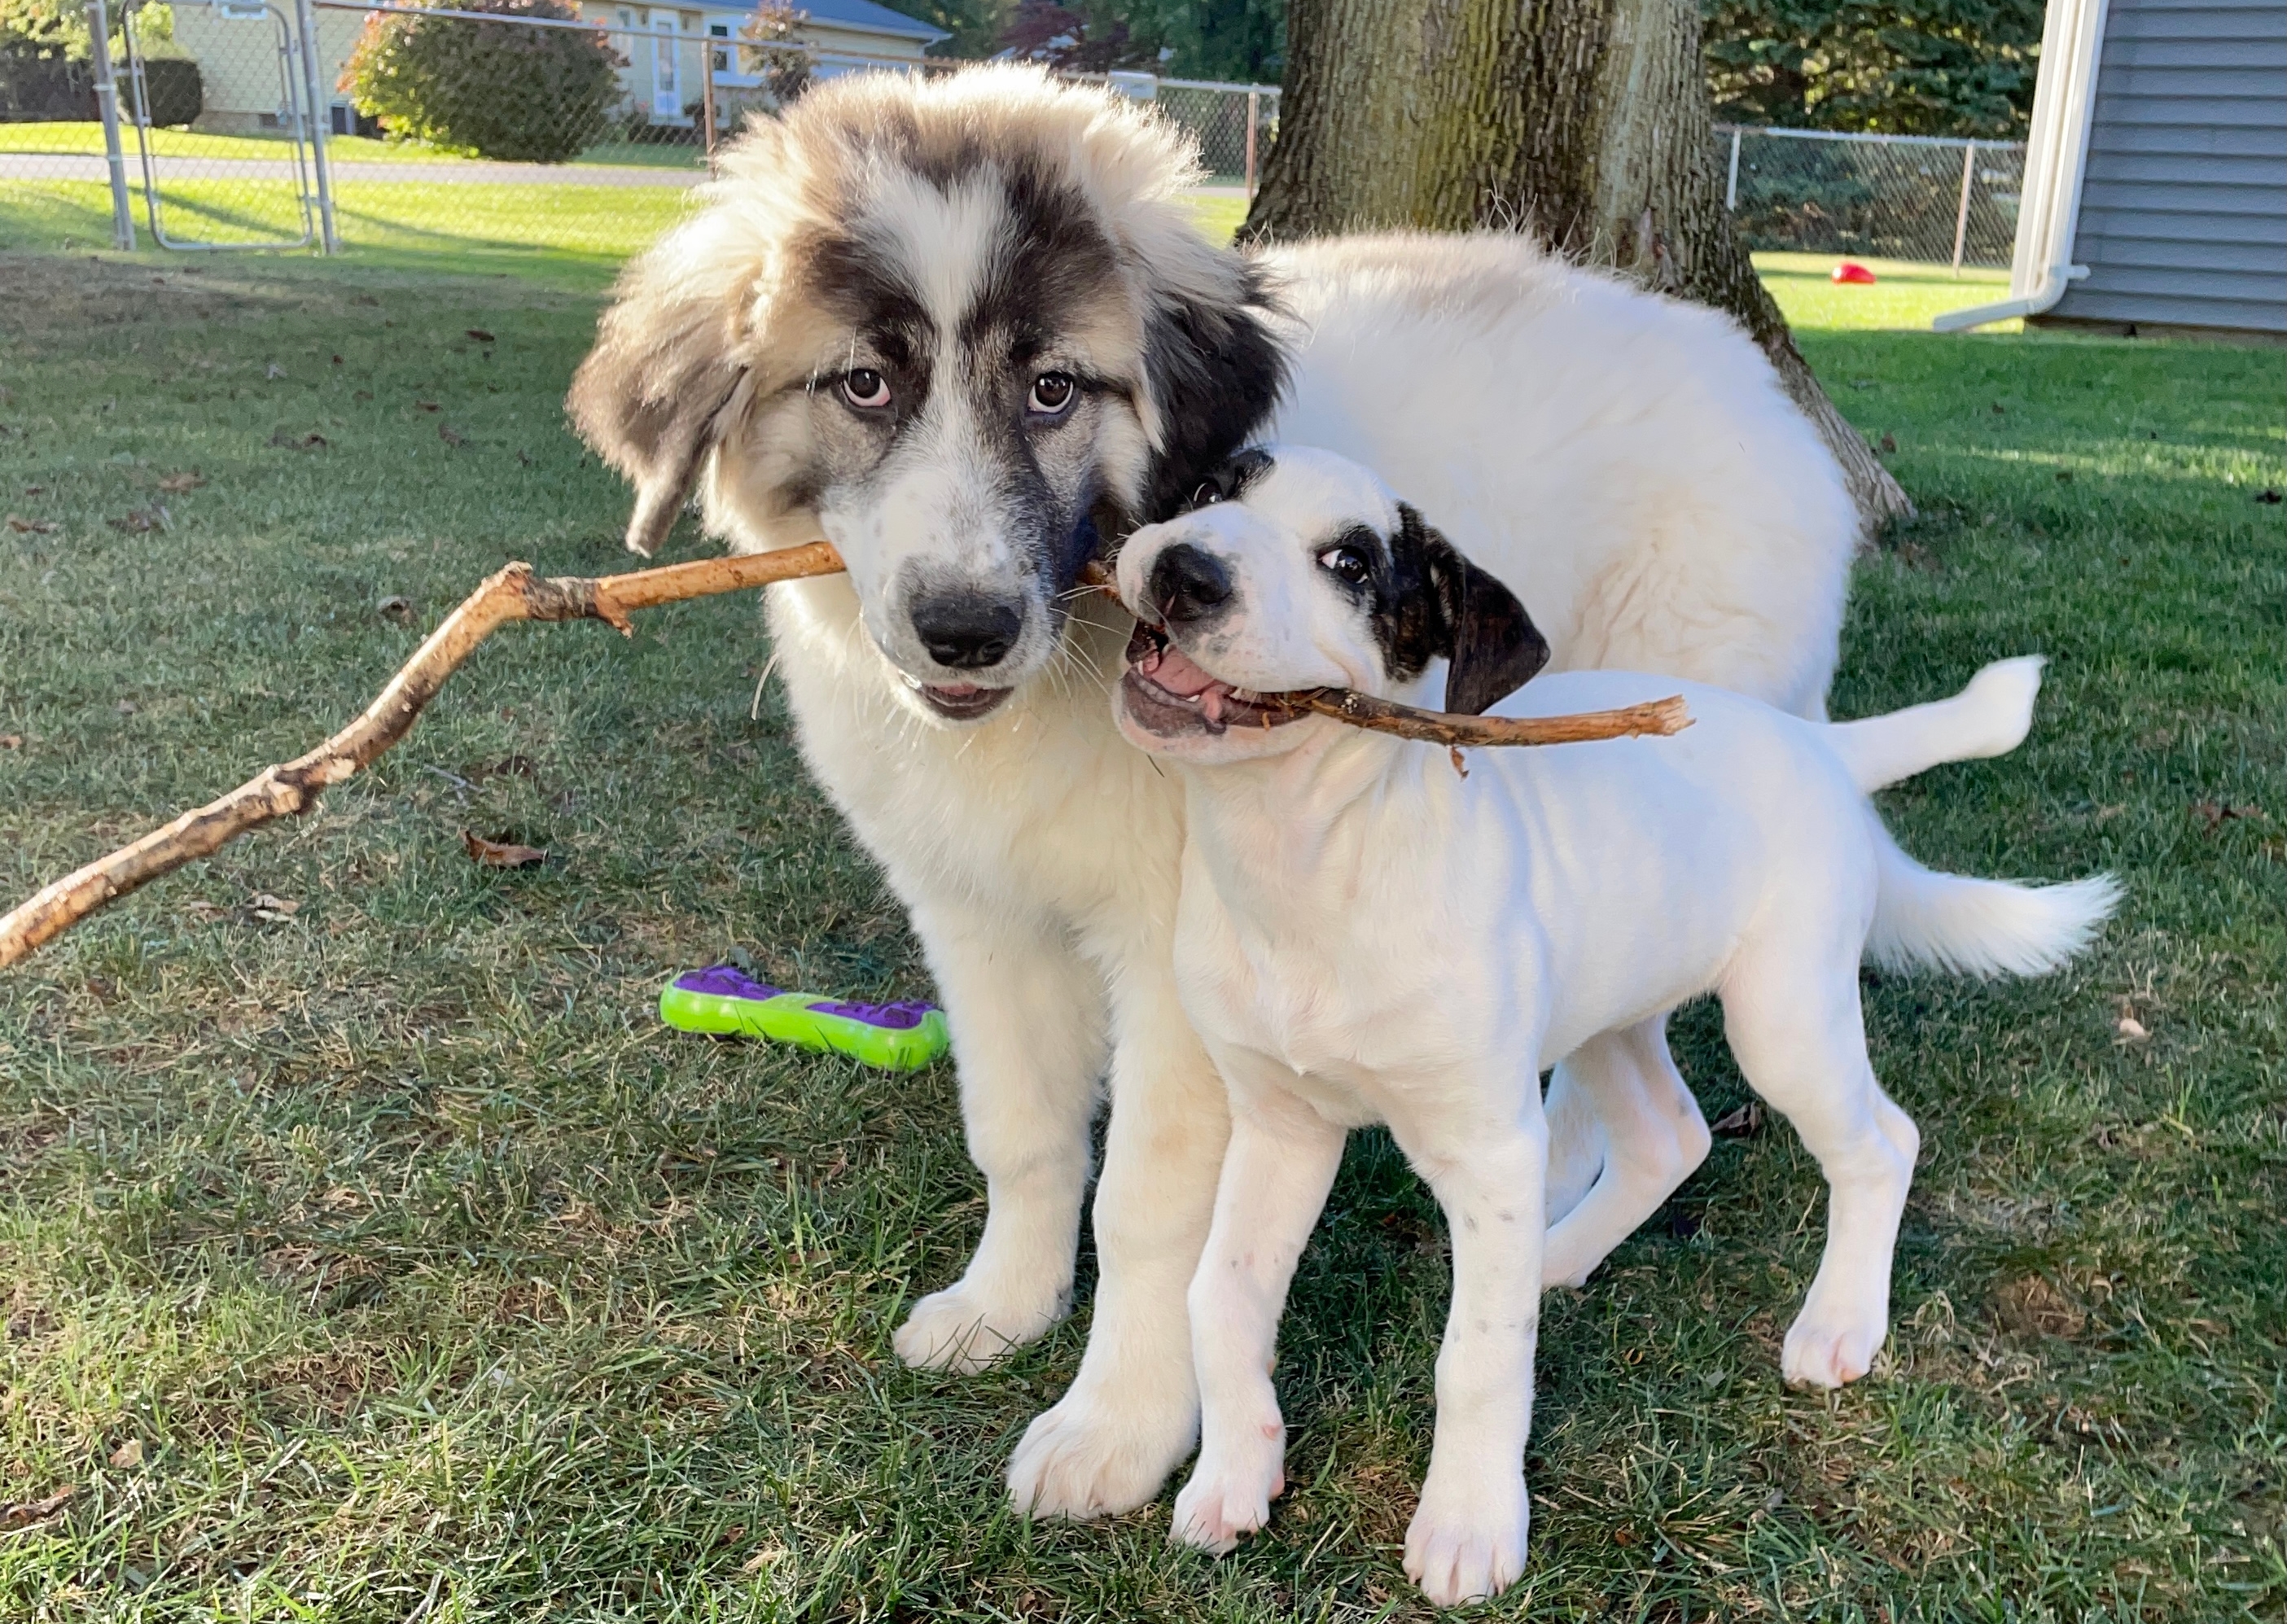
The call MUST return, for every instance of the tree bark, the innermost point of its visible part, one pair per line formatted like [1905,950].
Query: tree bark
[1584,122]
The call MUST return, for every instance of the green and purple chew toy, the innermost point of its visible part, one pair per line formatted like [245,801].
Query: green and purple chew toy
[723,1001]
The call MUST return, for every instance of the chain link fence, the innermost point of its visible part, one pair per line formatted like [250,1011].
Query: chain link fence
[1926,198]
[492,131]
[485,130]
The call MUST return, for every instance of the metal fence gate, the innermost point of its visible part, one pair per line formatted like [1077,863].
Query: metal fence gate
[203,202]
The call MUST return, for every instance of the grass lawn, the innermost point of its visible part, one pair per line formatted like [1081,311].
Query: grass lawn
[193,144]
[565,236]
[1904,294]
[382,1258]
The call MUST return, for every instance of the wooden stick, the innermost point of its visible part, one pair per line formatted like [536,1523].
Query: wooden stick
[1658,717]
[514,594]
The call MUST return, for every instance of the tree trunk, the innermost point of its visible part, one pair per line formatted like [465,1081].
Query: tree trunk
[1585,121]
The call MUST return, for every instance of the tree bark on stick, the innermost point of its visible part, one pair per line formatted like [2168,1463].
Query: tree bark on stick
[1584,122]
[515,593]
[293,788]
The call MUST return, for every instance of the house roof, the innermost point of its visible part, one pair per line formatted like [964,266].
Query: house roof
[865,17]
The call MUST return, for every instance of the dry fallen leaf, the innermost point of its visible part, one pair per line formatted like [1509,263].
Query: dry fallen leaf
[24,1512]
[450,434]
[428,406]
[23,526]
[501,854]
[35,490]
[1744,1122]
[272,909]
[1889,443]
[142,521]
[395,608]
[2216,814]
[175,485]
[2131,1029]
[204,912]
[12,741]
[273,371]
[128,1455]
[125,707]
[2033,1306]
[307,442]
[480,335]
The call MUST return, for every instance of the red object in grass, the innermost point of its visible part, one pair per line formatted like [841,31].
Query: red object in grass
[1851,270]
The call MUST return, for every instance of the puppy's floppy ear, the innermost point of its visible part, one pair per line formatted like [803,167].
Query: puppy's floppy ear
[1492,644]
[653,394]
[1214,369]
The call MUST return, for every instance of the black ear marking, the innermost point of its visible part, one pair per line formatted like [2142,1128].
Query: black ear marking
[651,398]
[1216,370]
[1491,642]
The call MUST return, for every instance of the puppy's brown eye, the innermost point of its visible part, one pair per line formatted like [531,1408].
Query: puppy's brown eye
[1346,564]
[1206,496]
[862,386]
[1052,392]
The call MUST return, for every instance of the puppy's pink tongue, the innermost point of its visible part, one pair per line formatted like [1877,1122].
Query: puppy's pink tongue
[1178,676]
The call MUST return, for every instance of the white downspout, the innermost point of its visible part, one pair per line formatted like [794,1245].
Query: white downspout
[2056,154]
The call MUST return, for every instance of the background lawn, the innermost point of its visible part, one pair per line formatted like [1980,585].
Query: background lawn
[194,144]
[378,1254]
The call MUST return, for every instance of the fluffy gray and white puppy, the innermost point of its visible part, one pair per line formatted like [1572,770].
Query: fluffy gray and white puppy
[967,326]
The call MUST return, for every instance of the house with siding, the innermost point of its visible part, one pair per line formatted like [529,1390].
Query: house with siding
[2156,173]
[666,48]
[843,36]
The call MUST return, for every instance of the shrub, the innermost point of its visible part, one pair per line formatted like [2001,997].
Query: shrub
[32,86]
[174,89]
[495,89]
[769,45]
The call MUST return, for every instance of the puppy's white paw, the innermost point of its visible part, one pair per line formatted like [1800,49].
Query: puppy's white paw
[963,1329]
[1826,1350]
[1099,1454]
[1467,1541]
[1225,1500]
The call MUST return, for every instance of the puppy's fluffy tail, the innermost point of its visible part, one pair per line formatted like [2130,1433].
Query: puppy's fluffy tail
[1983,927]
[1990,717]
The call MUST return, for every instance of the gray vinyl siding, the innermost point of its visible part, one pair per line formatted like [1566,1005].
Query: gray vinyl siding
[2183,209]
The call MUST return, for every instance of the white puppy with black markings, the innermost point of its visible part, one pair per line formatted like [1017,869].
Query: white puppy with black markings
[1367,935]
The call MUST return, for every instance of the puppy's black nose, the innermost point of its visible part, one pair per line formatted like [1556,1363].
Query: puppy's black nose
[966,632]
[1188,584]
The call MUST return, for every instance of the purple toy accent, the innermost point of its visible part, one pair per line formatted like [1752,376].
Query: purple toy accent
[728,981]
[895,1017]
[724,981]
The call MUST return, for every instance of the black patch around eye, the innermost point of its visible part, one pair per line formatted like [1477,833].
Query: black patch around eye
[1359,540]
[867,291]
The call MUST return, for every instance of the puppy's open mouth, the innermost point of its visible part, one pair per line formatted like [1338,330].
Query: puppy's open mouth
[960,701]
[1168,696]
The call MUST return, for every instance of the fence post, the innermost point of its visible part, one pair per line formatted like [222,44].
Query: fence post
[1731,180]
[1961,213]
[1253,123]
[321,122]
[106,102]
[707,95]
